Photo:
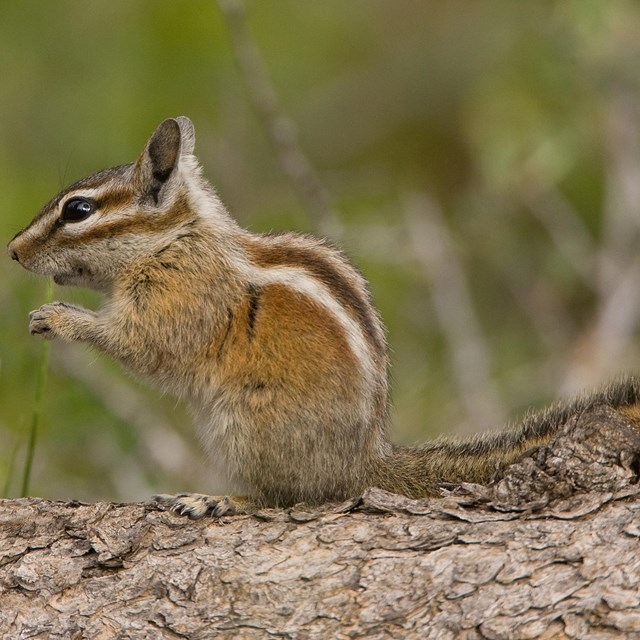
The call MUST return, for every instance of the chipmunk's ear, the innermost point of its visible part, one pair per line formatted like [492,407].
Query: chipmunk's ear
[173,138]
[187,135]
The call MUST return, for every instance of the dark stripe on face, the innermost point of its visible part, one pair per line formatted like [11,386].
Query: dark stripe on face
[115,199]
[143,223]
[102,178]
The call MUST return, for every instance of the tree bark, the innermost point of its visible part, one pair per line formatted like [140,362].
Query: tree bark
[549,549]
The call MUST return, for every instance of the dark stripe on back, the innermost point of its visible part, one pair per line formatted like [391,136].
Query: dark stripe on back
[350,297]
[254,303]
[225,335]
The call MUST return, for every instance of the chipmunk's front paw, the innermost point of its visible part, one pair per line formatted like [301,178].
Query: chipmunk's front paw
[196,505]
[59,320]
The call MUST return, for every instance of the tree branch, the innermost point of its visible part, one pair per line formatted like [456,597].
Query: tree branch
[470,357]
[279,128]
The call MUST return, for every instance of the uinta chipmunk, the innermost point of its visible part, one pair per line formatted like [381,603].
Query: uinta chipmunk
[272,339]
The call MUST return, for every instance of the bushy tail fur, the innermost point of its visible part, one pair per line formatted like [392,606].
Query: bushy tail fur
[417,472]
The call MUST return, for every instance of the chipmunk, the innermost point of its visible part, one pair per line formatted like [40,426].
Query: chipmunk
[272,339]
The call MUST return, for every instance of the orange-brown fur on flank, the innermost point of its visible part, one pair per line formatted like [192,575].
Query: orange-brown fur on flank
[272,339]
[330,268]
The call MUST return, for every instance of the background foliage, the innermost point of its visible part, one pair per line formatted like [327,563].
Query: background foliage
[482,160]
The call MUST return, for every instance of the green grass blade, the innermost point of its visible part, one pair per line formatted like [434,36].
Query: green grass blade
[11,465]
[43,372]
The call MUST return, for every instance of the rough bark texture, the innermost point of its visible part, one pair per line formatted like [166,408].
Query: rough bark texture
[549,550]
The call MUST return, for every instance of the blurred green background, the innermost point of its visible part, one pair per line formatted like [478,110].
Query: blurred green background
[482,158]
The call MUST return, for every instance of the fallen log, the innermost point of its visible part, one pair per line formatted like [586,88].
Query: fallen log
[549,549]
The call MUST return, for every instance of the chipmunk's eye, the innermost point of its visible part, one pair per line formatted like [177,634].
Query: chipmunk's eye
[77,209]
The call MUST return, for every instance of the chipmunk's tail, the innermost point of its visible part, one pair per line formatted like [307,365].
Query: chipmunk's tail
[417,472]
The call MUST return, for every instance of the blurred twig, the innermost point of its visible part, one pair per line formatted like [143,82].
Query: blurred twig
[279,128]
[621,215]
[546,312]
[603,346]
[470,355]
[568,232]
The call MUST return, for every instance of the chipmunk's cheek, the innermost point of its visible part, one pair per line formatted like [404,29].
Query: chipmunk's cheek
[41,265]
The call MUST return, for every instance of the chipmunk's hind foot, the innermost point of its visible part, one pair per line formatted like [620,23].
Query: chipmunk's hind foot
[197,505]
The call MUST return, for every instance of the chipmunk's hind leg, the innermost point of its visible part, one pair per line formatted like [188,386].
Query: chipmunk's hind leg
[197,505]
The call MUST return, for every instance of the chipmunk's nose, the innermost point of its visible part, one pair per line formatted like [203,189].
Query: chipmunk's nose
[13,252]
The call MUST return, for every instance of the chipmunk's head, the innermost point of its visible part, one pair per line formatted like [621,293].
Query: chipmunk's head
[102,223]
